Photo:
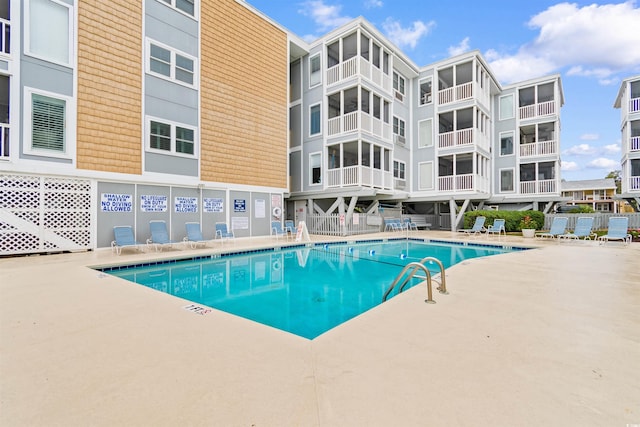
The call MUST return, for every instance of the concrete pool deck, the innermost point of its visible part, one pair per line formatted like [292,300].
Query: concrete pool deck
[548,337]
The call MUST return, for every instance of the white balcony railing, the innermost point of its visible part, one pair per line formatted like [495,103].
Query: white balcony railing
[545,186]
[5,36]
[456,182]
[634,143]
[634,183]
[542,148]
[358,121]
[358,66]
[537,110]
[359,176]
[456,138]
[455,93]
[634,105]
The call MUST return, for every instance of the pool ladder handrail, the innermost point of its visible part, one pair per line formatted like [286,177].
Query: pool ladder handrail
[414,267]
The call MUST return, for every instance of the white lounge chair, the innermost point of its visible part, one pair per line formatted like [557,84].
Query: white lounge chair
[194,235]
[159,235]
[617,230]
[582,230]
[558,228]
[478,226]
[124,238]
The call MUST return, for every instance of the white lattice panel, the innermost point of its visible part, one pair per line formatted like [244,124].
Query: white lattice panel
[44,214]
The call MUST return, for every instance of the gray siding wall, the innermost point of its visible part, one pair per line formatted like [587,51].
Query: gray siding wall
[164,99]
[238,208]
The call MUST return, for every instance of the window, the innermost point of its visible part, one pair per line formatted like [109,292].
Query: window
[170,64]
[398,86]
[186,6]
[398,126]
[315,76]
[398,170]
[425,92]
[47,123]
[506,180]
[315,168]
[425,129]
[171,138]
[506,107]
[314,117]
[426,175]
[49,31]
[506,144]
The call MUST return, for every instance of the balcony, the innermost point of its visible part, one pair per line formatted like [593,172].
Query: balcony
[466,182]
[455,138]
[634,183]
[634,143]
[542,148]
[545,186]
[634,105]
[537,110]
[358,121]
[455,93]
[358,66]
[358,175]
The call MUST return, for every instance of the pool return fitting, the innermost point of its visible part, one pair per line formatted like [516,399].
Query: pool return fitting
[409,272]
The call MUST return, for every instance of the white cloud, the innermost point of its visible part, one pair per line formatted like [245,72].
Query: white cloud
[569,166]
[590,137]
[580,150]
[461,48]
[612,149]
[603,163]
[326,17]
[406,37]
[371,4]
[593,41]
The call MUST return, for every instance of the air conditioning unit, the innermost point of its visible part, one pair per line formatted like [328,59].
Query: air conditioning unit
[399,139]
[399,183]
[399,96]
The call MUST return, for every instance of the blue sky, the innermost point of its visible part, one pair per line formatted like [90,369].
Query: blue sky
[594,46]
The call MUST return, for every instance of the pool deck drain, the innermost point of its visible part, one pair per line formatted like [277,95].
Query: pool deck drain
[529,338]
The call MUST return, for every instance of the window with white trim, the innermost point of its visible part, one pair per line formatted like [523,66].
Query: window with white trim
[425,91]
[48,35]
[171,138]
[507,184]
[186,6]
[49,124]
[315,75]
[171,64]
[506,144]
[425,133]
[425,175]
[398,126]
[507,110]
[315,168]
[315,126]
[398,86]
[398,170]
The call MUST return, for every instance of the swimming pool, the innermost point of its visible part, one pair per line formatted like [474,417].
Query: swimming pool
[304,290]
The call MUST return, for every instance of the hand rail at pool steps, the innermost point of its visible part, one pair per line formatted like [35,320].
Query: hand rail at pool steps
[414,267]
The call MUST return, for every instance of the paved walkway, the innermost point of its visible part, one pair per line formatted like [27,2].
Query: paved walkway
[549,337]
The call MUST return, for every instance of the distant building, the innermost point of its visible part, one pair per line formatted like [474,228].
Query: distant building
[598,194]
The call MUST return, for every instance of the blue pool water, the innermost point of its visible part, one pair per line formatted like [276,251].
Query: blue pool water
[304,290]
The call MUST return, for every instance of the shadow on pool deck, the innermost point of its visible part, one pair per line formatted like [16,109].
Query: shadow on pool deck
[542,337]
